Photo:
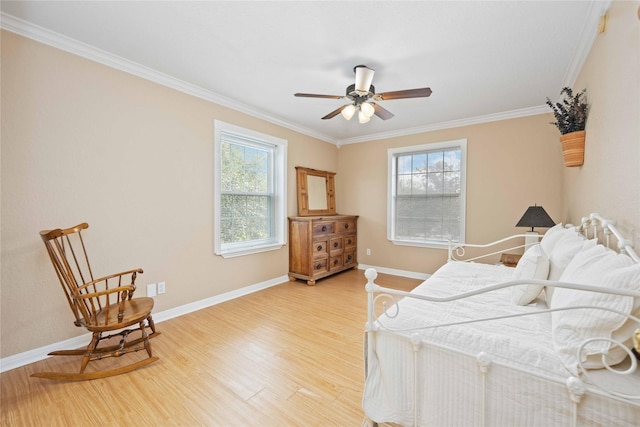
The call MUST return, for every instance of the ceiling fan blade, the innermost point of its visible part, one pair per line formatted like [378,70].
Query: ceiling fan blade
[335,112]
[383,113]
[401,94]
[312,95]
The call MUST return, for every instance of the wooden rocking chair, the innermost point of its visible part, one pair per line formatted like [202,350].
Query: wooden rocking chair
[104,305]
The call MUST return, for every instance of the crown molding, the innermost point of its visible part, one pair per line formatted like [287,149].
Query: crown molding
[67,44]
[587,37]
[513,114]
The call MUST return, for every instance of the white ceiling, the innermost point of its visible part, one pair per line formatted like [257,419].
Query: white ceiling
[482,59]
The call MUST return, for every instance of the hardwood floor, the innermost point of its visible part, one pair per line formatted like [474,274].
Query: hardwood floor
[290,355]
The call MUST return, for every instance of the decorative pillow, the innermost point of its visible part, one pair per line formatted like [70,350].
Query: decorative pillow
[534,264]
[570,328]
[551,237]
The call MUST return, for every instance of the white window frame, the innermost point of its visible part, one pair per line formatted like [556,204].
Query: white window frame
[392,153]
[279,187]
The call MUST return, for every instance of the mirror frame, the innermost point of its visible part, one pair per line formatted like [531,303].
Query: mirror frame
[303,191]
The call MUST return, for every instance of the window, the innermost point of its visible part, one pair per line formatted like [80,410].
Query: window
[426,197]
[249,191]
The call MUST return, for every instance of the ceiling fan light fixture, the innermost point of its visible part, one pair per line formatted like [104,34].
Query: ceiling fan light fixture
[363,97]
[362,117]
[347,112]
[367,109]
[364,77]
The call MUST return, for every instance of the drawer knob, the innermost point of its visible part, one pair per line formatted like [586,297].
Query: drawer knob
[335,244]
[348,257]
[349,241]
[318,266]
[324,228]
[346,226]
[335,262]
[319,248]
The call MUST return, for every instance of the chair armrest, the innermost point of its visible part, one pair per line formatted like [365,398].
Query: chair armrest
[123,288]
[111,276]
[99,291]
[129,288]
[124,293]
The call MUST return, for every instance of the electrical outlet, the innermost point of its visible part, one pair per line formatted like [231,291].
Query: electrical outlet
[368,251]
[161,288]
[151,290]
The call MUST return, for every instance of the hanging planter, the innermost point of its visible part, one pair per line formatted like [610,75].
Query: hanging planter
[571,119]
[573,148]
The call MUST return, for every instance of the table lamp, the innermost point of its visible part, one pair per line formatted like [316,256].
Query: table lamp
[534,216]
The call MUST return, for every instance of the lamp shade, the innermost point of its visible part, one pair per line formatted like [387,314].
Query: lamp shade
[535,216]
[367,109]
[347,112]
[362,117]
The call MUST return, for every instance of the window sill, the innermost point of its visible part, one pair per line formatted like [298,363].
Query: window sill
[249,250]
[425,244]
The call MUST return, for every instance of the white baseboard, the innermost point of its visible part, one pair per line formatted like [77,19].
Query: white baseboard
[31,356]
[217,299]
[393,271]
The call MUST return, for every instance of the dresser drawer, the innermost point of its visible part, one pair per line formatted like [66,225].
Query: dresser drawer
[336,261]
[323,227]
[335,244]
[319,247]
[349,256]
[350,241]
[346,226]
[320,265]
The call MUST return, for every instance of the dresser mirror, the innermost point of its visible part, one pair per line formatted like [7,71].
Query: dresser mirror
[316,192]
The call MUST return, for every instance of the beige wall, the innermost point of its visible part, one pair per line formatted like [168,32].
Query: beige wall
[511,165]
[84,142]
[609,180]
[514,163]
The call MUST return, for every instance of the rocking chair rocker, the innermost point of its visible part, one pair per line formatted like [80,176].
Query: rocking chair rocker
[104,305]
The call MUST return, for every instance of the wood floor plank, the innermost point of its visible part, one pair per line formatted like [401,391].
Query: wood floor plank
[290,355]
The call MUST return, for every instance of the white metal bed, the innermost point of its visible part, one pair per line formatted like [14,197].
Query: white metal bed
[456,351]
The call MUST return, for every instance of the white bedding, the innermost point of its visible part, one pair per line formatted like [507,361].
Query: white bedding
[521,341]
[450,380]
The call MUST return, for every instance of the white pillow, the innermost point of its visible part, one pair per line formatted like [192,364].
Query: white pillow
[593,262]
[563,252]
[534,264]
[561,255]
[591,266]
[551,237]
[570,328]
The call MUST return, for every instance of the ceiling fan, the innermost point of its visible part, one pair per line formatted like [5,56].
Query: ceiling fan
[362,93]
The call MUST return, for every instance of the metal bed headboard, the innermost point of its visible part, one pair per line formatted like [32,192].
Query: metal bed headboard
[594,220]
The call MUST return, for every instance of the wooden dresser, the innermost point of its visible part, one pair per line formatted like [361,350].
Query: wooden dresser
[320,246]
